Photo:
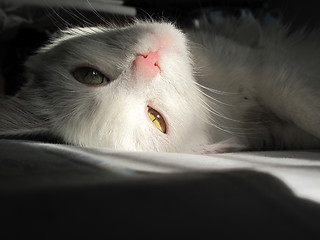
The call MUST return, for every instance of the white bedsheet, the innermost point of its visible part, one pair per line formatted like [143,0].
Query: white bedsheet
[299,170]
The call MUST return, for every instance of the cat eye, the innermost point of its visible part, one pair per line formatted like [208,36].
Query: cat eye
[157,119]
[89,76]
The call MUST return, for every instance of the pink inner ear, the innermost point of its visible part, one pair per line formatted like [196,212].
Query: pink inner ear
[147,65]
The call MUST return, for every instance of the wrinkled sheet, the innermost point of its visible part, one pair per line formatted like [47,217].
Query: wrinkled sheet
[299,170]
[49,191]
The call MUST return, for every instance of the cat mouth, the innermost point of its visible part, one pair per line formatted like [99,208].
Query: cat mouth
[157,119]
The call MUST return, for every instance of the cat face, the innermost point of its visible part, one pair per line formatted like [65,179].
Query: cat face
[126,88]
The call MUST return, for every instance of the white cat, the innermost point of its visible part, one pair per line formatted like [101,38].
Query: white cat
[151,87]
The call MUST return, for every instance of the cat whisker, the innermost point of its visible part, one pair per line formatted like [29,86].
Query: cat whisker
[214,100]
[97,13]
[214,90]
[196,45]
[231,130]
[211,102]
[149,17]
[79,17]
[216,113]
[253,132]
[54,19]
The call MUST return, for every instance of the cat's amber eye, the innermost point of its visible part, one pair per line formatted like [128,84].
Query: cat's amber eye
[157,119]
[89,76]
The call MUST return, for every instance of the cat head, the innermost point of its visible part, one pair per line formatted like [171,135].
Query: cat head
[129,88]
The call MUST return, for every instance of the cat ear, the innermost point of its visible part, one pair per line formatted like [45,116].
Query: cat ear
[18,118]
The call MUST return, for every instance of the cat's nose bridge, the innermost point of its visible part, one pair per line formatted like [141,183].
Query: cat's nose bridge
[147,65]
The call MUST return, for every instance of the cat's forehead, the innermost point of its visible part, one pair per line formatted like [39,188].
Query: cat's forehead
[72,33]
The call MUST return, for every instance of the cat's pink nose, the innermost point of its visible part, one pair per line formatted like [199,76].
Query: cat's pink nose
[147,65]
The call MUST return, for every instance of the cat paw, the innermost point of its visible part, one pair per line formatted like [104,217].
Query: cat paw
[230,145]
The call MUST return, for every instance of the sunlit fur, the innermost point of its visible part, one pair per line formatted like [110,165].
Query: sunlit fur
[216,92]
[113,115]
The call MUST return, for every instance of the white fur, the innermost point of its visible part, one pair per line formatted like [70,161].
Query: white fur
[269,92]
[246,103]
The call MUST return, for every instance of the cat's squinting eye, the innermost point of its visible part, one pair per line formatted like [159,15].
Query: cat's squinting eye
[89,76]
